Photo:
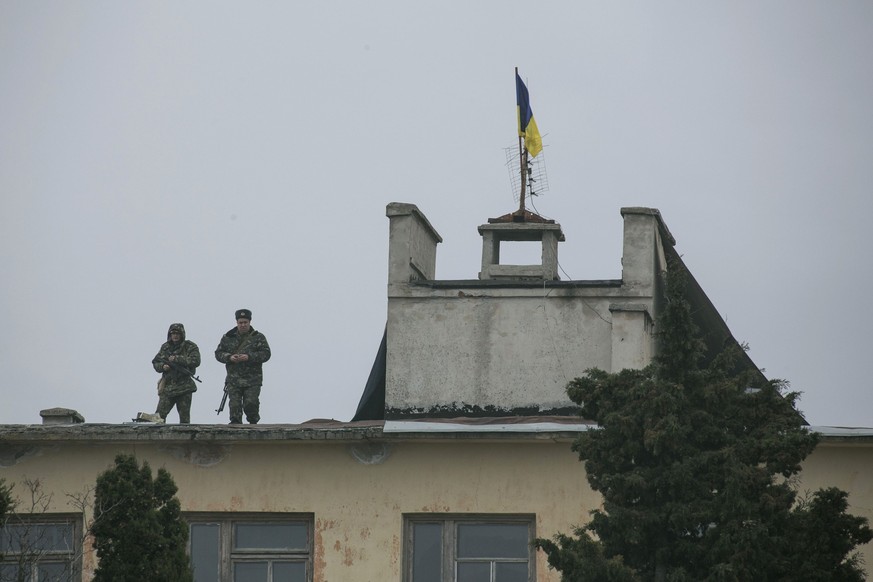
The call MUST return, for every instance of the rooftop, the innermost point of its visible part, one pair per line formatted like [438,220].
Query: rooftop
[545,428]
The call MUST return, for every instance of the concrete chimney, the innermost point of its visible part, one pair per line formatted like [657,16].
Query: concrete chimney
[412,244]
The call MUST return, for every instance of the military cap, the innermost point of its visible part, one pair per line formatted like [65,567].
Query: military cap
[244,314]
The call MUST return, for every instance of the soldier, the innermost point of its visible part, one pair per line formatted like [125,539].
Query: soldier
[243,351]
[177,360]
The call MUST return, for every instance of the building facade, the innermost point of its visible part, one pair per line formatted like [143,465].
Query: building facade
[459,455]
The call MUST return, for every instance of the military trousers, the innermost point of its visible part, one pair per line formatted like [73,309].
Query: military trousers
[244,399]
[182,402]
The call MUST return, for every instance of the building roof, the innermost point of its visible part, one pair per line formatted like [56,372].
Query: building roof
[319,430]
[535,428]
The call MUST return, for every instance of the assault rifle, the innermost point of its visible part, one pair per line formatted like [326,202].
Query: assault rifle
[180,368]
[223,401]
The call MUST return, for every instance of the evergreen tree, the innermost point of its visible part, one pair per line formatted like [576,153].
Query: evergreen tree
[6,501]
[138,531]
[696,462]
[7,504]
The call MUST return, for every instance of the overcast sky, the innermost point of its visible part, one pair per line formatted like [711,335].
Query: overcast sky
[175,161]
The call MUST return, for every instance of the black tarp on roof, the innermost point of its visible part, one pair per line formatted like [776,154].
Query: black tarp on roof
[372,404]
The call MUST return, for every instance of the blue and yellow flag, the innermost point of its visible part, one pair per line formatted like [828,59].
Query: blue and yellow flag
[527,126]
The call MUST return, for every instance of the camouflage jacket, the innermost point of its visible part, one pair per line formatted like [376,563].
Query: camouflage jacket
[253,344]
[177,382]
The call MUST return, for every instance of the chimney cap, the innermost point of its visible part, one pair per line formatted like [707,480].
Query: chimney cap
[521,216]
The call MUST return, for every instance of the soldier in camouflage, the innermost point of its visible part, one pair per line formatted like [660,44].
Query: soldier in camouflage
[243,351]
[177,360]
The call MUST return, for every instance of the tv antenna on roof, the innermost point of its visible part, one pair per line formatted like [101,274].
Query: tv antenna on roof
[527,177]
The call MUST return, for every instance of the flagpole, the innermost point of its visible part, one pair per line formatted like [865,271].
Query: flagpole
[522,156]
[523,162]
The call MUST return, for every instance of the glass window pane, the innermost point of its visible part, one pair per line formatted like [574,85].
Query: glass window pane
[205,551]
[289,572]
[250,572]
[474,571]
[511,572]
[9,540]
[270,536]
[55,536]
[10,572]
[493,540]
[427,552]
[44,537]
[54,572]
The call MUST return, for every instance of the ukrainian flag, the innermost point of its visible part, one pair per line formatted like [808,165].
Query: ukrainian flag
[527,126]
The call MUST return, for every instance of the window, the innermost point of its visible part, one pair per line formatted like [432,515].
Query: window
[251,547]
[43,548]
[484,548]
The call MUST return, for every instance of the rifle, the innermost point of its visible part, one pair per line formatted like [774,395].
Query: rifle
[223,401]
[181,368]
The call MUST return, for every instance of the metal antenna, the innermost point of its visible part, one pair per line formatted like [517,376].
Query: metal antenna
[531,179]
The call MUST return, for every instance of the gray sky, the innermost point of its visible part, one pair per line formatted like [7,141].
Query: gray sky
[174,161]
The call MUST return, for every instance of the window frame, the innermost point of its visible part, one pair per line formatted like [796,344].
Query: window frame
[450,523]
[228,555]
[71,558]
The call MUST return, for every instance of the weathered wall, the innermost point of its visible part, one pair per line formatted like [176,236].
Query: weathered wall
[475,347]
[358,507]
[505,351]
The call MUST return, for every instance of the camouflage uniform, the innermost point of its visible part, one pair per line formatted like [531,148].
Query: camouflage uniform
[244,379]
[177,385]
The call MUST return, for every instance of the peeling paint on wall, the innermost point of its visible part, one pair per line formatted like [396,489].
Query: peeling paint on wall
[370,453]
[395,551]
[11,455]
[349,552]
[89,558]
[319,564]
[202,455]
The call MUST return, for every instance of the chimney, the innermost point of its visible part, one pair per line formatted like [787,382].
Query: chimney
[412,243]
[520,227]
[61,416]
